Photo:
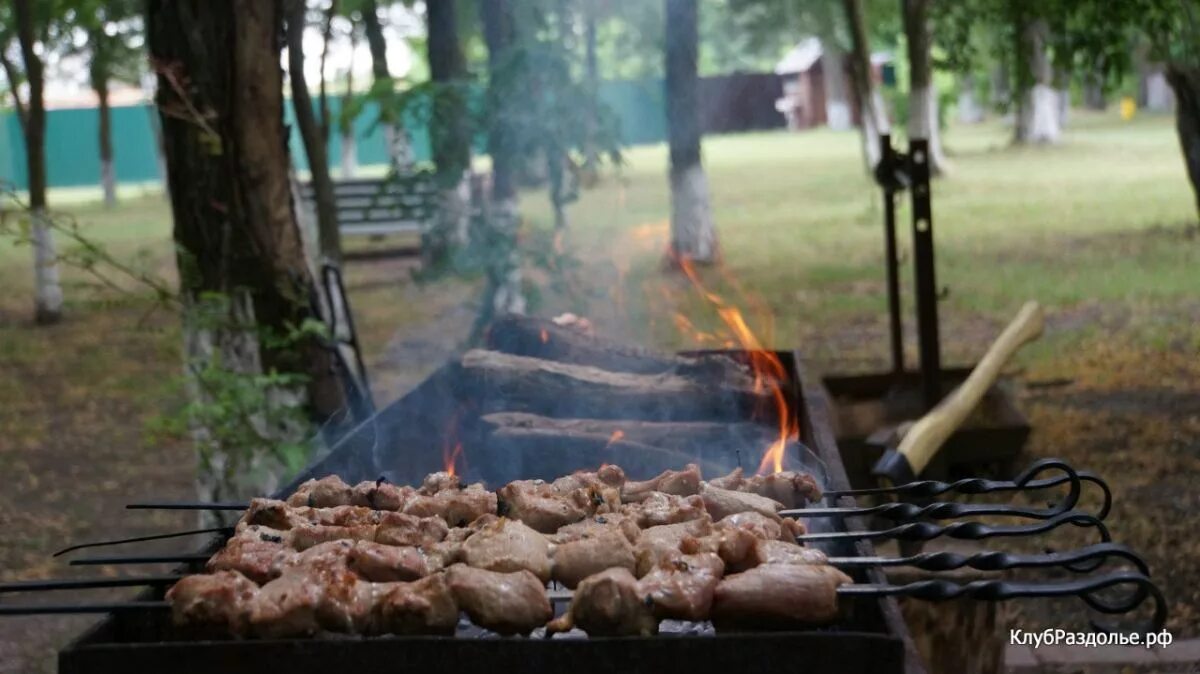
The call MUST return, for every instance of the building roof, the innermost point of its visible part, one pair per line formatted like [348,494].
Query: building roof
[808,51]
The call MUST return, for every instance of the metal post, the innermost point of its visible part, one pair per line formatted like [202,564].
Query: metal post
[888,167]
[926,281]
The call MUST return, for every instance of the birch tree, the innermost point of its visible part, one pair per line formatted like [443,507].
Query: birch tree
[874,119]
[31,19]
[693,234]
[449,132]
[922,94]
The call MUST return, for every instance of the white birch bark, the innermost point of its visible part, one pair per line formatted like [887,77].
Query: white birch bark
[108,182]
[837,97]
[48,295]
[692,231]
[923,123]
[349,156]
[400,150]
[508,295]
[1063,104]
[223,472]
[1037,121]
[969,110]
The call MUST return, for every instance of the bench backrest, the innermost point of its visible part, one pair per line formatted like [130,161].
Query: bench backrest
[382,205]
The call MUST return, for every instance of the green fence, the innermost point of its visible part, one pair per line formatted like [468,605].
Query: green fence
[73,156]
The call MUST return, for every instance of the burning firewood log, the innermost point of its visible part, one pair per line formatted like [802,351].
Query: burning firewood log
[504,382]
[540,338]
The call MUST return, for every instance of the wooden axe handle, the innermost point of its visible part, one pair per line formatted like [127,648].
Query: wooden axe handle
[927,435]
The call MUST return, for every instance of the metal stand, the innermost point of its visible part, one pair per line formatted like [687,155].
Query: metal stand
[892,179]
[923,265]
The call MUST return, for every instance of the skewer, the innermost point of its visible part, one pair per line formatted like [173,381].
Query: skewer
[85,583]
[141,559]
[139,539]
[186,505]
[928,590]
[941,510]
[929,561]
[1024,481]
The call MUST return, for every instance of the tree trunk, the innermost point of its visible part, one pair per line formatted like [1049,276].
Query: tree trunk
[504,293]
[591,156]
[1185,82]
[1062,89]
[235,229]
[310,132]
[48,297]
[449,134]
[874,119]
[108,176]
[1037,120]
[693,235]
[922,95]
[969,110]
[398,146]
[837,99]
[1094,96]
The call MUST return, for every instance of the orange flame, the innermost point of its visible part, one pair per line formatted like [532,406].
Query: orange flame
[616,436]
[451,458]
[769,372]
[545,336]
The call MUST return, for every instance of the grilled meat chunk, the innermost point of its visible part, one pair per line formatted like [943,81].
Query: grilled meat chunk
[722,503]
[607,476]
[681,587]
[791,488]
[508,546]
[259,560]
[457,507]
[781,552]
[594,525]
[678,482]
[323,493]
[778,595]
[507,603]
[406,529]
[303,538]
[379,495]
[608,603]
[664,541]
[388,563]
[425,606]
[439,481]
[659,508]
[213,602]
[542,507]
[578,559]
[733,481]
[764,527]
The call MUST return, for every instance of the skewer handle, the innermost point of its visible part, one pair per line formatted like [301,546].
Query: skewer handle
[141,559]
[51,609]
[139,539]
[84,583]
[185,505]
[999,561]
[1000,590]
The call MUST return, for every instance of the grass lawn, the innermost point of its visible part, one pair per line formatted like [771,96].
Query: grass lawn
[1101,229]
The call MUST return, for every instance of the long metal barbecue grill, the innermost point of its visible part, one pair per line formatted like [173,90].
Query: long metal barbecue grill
[871,635]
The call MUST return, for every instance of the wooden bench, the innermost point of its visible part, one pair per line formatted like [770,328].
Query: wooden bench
[381,206]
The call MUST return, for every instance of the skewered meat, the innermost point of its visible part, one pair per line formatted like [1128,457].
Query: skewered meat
[791,488]
[303,538]
[678,482]
[406,529]
[608,603]
[257,559]
[780,552]
[593,525]
[389,563]
[733,481]
[439,481]
[581,558]
[607,475]
[766,528]
[722,503]
[458,507]
[279,515]
[380,495]
[507,603]
[213,601]
[508,546]
[323,493]
[664,541]
[681,588]
[542,507]
[425,606]
[778,594]
[659,508]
